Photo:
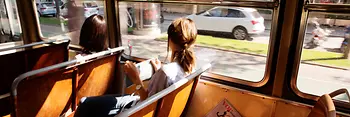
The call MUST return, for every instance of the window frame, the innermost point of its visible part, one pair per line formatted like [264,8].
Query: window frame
[307,9]
[272,53]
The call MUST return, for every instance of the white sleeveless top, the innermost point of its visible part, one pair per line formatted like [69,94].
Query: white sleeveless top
[167,75]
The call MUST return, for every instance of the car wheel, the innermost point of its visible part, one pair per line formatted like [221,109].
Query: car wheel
[240,33]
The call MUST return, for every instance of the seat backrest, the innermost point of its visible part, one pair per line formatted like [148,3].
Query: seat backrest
[173,104]
[44,96]
[95,77]
[148,111]
[53,93]
[26,60]
[324,107]
[171,101]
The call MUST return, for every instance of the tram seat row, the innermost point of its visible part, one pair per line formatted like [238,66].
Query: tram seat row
[53,93]
[170,102]
[26,58]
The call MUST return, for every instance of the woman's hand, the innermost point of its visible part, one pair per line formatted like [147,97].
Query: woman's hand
[156,64]
[132,72]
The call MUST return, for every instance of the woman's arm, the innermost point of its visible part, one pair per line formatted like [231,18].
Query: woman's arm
[132,72]
[134,75]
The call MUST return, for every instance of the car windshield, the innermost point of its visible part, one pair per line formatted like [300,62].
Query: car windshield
[90,4]
[256,14]
[48,4]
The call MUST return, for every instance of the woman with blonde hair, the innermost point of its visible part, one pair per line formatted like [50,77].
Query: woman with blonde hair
[182,34]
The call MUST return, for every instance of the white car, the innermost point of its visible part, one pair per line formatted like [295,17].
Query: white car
[90,8]
[241,22]
[46,8]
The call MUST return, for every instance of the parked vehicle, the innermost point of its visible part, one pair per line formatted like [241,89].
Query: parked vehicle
[90,8]
[319,35]
[241,22]
[46,8]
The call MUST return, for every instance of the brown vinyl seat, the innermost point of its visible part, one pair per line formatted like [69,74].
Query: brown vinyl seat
[171,101]
[54,93]
[95,77]
[33,57]
[324,106]
[44,96]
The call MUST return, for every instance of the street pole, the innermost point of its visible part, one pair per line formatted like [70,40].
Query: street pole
[57,3]
[194,9]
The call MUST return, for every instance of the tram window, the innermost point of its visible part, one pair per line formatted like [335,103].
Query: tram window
[239,45]
[9,21]
[323,68]
[68,21]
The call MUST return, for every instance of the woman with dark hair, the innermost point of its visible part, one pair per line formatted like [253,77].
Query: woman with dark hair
[182,34]
[93,35]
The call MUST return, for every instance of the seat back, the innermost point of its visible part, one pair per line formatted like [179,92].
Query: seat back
[171,101]
[173,104]
[95,77]
[148,111]
[324,107]
[44,96]
[25,60]
[53,93]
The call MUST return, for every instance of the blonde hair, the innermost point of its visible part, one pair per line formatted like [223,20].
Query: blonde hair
[183,33]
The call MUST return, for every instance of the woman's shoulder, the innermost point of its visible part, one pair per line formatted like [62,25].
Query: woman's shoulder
[171,69]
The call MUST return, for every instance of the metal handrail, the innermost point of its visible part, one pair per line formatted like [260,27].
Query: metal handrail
[33,44]
[163,93]
[60,65]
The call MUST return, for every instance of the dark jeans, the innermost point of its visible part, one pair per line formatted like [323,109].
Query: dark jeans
[105,106]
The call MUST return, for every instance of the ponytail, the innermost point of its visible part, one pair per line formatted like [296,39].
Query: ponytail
[186,59]
[183,33]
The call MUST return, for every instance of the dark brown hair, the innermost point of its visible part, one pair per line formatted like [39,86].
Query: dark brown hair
[93,34]
[183,33]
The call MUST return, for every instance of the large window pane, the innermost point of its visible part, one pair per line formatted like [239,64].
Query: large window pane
[235,38]
[67,21]
[323,68]
[9,21]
